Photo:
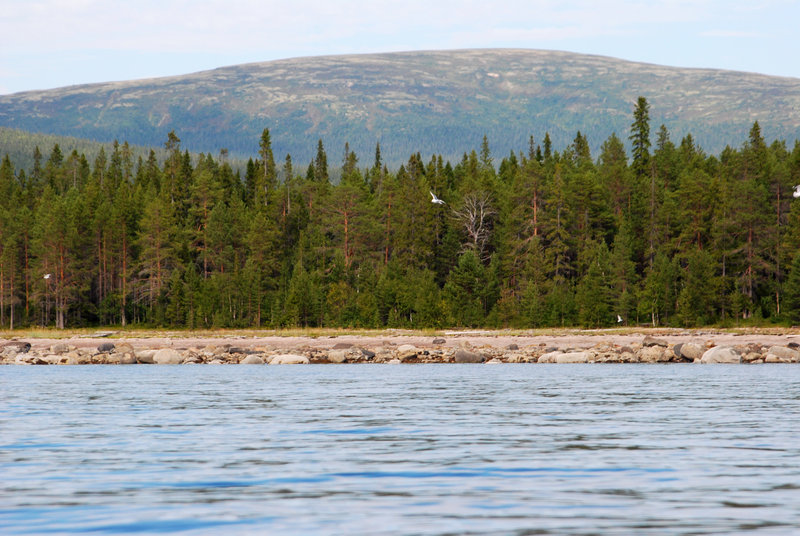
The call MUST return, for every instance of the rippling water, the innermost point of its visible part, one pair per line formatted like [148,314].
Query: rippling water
[411,449]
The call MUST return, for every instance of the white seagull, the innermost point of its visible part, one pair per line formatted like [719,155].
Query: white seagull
[47,276]
[796,192]
[619,319]
[436,199]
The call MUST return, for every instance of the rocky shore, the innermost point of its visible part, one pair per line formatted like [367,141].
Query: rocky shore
[683,348]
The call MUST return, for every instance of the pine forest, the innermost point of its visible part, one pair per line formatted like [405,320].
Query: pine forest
[660,234]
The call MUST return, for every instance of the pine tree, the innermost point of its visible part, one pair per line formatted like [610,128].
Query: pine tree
[640,138]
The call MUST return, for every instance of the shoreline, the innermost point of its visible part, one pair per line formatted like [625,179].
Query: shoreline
[579,346]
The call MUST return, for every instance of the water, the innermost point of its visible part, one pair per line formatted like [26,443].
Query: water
[410,449]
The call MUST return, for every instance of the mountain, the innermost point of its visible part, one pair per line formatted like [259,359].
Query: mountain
[440,102]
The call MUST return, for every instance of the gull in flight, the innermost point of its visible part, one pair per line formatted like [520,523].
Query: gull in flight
[796,192]
[436,199]
[47,276]
[619,319]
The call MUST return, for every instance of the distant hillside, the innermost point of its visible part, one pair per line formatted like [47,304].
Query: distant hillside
[20,145]
[433,102]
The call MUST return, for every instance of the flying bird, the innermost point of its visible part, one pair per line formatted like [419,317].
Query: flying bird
[47,276]
[438,201]
[796,192]
[619,319]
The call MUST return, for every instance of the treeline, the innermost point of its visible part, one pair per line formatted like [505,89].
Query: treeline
[666,236]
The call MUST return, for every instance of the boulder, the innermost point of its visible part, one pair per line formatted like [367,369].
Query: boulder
[106,348]
[289,359]
[337,356]
[549,357]
[654,354]
[721,354]
[128,358]
[652,341]
[676,350]
[752,357]
[342,346]
[394,361]
[494,361]
[59,348]
[108,359]
[166,356]
[692,350]
[788,355]
[369,355]
[124,348]
[606,357]
[145,356]
[17,347]
[438,340]
[252,360]
[30,359]
[465,356]
[405,352]
[574,357]
[512,347]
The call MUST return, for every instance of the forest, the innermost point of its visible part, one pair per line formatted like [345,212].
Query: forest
[665,236]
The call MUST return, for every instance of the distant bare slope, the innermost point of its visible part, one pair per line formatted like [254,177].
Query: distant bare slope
[432,102]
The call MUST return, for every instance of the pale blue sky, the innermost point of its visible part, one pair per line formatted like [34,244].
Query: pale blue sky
[52,43]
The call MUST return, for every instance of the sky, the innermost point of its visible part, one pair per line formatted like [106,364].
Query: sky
[46,44]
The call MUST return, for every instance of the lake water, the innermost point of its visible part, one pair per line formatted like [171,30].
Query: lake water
[406,449]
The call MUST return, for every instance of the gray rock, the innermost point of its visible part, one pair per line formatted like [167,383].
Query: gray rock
[59,348]
[654,354]
[337,356]
[549,357]
[574,357]
[676,350]
[30,359]
[465,356]
[145,356]
[19,347]
[124,348]
[512,347]
[652,341]
[752,357]
[106,348]
[369,355]
[128,358]
[252,360]
[289,359]
[788,355]
[438,340]
[342,346]
[721,354]
[692,350]
[406,352]
[167,356]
